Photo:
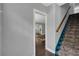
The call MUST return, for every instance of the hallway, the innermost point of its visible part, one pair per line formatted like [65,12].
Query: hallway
[18,32]
[40,48]
[70,44]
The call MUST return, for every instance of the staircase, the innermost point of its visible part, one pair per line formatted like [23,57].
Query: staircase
[69,44]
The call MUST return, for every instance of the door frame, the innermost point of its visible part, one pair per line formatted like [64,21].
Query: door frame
[42,13]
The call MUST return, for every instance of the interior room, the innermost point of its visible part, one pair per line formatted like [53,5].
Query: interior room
[40,34]
[39,29]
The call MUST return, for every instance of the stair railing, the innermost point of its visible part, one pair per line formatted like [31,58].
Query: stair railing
[58,28]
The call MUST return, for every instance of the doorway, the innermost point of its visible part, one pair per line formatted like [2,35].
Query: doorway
[40,32]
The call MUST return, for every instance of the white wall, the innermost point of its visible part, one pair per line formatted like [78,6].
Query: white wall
[75,7]
[51,29]
[55,16]
[0,27]
[71,9]
[60,13]
[39,18]
[18,28]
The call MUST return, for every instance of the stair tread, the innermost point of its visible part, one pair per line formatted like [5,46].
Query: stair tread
[70,44]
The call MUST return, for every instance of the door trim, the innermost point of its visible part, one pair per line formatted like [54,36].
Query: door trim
[42,13]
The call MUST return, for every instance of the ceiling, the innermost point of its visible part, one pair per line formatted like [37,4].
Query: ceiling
[48,4]
[60,4]
[76,7]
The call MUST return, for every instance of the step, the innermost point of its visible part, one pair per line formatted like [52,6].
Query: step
[70,30]
[72,27]
[68,44]
[61,39]
[77,36]
[76,33]
[69,33]
[69,40]
[56,54]
[57,48]
[69,36]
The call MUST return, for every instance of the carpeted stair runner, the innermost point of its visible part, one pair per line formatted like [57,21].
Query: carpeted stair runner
[69,45]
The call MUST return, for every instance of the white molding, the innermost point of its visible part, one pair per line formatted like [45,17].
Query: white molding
[47,4]
[34,31]
[60,4]
[52,51]
[42,13]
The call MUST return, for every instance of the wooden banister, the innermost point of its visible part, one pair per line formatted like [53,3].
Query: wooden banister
[58,28]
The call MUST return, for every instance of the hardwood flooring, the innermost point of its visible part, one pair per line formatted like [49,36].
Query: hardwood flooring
[40,49]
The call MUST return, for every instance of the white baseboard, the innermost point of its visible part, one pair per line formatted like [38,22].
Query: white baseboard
[52,51]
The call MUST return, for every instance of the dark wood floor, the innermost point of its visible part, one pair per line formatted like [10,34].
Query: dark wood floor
[41,51]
